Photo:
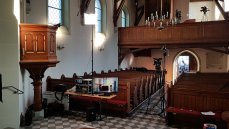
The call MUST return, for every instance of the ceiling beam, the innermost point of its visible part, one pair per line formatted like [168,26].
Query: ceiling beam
[117,10]
[139,13]
[84,6]
[226,51]
[225,14]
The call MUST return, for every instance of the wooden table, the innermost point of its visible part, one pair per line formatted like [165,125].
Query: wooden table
[97,97]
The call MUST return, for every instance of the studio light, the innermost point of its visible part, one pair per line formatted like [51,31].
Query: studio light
[91,19]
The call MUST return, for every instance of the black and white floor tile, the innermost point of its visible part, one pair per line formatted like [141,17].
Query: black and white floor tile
[139,120]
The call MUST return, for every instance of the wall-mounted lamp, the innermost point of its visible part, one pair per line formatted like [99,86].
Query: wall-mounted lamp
[99,41]
[60,46]
[61,31]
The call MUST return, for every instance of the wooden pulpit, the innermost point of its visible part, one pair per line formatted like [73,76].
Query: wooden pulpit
[37,53]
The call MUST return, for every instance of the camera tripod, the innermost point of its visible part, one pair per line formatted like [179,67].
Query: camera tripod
[160,103]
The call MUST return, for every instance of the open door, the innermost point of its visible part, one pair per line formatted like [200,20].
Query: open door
[185,61]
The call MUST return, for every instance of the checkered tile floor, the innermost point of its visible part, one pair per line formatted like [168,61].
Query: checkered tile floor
[139,120]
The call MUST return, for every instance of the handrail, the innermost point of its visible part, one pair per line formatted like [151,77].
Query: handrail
[13,89]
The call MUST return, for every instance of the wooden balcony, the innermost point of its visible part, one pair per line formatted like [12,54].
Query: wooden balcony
[197,34]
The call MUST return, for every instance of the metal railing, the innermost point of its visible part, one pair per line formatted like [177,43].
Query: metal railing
[13,89]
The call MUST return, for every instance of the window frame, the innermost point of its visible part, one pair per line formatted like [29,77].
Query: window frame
[65,17]
[60,19]
[123,18]
[99,13]
[127,21]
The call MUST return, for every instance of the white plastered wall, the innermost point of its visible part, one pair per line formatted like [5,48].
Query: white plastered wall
[9,64]
[75,57]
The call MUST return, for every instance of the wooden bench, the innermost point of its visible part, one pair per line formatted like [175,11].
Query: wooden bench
[120,105]
[196,115]
[195,93]
[134,88]
[171,111]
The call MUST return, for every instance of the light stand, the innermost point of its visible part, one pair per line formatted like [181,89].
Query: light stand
[165,53]
[90,19]
[92,58]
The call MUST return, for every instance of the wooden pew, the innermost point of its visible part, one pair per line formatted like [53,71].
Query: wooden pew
[196,93]
[134,88]
[52,82]
[121,103]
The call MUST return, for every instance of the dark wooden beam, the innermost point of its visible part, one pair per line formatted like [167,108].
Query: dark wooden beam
[117,10]
[226,51]
[122,52]
[225,14]
[146,52]
[84,6]
[139,13]
[199,0]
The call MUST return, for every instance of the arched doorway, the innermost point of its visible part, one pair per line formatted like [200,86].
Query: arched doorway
[185,61]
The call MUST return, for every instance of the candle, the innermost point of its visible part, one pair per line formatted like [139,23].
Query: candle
[152,17]
[167,14]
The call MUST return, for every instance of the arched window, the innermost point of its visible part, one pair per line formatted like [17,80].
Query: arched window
[55,11]
[58,12]
[124,19]
[226,3]
[98,12]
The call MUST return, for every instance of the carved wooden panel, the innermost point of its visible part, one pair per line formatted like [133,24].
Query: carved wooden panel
[204,34]
[29,45]
[38,42]
[52,45]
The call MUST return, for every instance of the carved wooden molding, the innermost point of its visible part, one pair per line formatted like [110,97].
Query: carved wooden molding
[117,10]
[198,34]
[225,15]
[84,6]
[139,13]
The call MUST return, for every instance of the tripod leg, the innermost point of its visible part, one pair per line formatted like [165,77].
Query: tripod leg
[148,105]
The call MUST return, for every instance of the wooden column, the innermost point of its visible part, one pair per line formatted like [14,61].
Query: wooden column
[36,70]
